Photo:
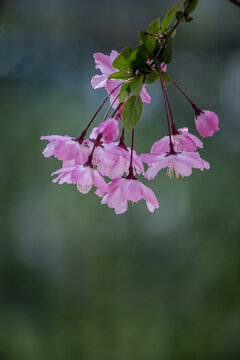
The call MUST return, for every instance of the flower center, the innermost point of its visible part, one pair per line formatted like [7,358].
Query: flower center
[83,187]
[171,172]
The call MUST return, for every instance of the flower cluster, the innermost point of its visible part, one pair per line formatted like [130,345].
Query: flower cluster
[103,159]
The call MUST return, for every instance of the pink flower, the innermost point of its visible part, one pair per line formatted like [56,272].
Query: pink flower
[104,64]
[66,148]
[123,190]
[109,130]
[113,161]
[84,176]
[182,140]
[177,164]
[206,122]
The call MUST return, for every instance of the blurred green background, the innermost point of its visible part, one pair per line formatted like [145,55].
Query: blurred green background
[76,280]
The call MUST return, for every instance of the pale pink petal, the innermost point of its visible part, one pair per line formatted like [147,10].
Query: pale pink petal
[146,98]
[114,54]
[121,208]
[99,81]
[103,62]
[109,130]
[69,163]
[115,198]
[82,175]
[131,190]
[55,137]
[181,167]
[84,189]
[153,170]
[161,146]
[99,181]
[150,198]
[49,150]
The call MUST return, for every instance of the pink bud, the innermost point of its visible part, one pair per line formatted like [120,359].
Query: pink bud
[109,130]
[206,123]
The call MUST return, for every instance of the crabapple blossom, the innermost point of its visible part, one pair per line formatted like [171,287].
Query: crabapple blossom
[206,123]
[109,130]
[181,139]
[180,163]
[84,176]
[104,64]
[102,156]
[113,161]
[123,190]
[65,148]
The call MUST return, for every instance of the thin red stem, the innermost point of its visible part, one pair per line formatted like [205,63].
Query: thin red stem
[116,110]
[174,131]
[121,141]
[110,107]
[81,137]
[195,108]
[167,115]
[96,143]
[186,97]
[131,175]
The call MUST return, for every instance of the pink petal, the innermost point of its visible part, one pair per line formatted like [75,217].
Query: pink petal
[207,123]
[99,81]
[150,198]
[84,189]
[121,208]
[131,190]
[144,95]
[104,63]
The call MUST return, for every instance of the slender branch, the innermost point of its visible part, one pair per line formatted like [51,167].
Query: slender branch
[167,115]
[235,2]
[110,107]
[172,30]
[81,137]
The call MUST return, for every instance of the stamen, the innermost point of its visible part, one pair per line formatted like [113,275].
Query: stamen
[83,187]
[171,173]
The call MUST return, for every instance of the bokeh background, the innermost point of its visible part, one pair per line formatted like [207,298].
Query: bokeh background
[76,280]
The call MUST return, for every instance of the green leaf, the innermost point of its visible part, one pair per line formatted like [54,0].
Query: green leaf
[148,40]
[120,75]
[192,5]
[157,64]
[167,79]
[139,63]
[124,59]
[188,19]
[169,17]
[155,26]
[124,92]
[179,16]
[167,53]
[136,85]
[132,112]
[151,78]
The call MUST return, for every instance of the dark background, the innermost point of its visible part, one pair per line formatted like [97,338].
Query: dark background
[76,280]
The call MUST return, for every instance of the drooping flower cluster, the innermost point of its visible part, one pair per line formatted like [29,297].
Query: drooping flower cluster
[85,163]
[103,159]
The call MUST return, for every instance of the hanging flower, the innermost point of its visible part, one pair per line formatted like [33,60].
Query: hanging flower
[122,191]
[84,176]
[66,148]
[180,163]
[206,122]
[181,139]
